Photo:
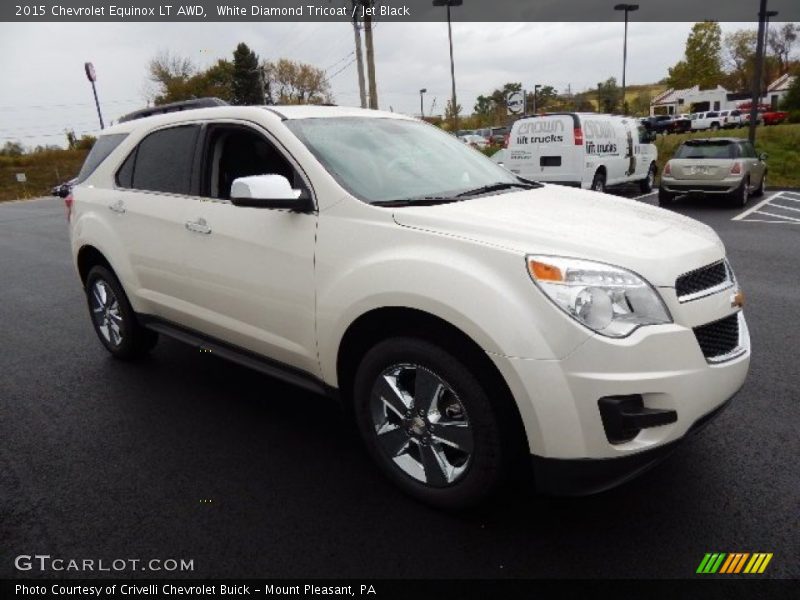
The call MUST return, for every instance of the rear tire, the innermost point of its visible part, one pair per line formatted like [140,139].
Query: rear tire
[113,317]
[664,197]
[407,393]
[646,185]
[759,191]
[599,182]
[741,195]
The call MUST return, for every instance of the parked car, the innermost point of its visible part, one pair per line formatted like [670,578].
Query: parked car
[476,141]
[726,167]
[498,135]
[467,317]
[731,118]
[775,117]
[681,123]
[706,120]
[62,190]
[586,150]
[485,133]
[659,124]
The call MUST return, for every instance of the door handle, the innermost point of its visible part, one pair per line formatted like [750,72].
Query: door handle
[117,207]
[198,226]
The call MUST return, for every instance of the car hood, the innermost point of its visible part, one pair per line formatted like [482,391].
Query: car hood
[658,244]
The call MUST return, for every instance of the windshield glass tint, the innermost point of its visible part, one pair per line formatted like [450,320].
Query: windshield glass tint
[705,151]
[379,160]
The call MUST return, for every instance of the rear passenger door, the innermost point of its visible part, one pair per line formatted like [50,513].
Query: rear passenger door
[152,202]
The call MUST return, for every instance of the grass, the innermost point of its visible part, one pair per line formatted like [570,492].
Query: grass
[780,142]
[42,169]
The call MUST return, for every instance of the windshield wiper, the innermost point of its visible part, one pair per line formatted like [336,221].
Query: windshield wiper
[495,187]
[425,201]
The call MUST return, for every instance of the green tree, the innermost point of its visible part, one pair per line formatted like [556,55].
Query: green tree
[293,82]
[791,101]
[13,149]
[247,84]
[609,95]
[781,42]
[740,58]
[702,61]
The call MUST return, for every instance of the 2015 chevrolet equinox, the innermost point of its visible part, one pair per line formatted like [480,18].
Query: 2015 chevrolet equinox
[466,315]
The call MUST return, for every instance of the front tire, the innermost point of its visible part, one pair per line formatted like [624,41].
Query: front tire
[599,182]
[113,317]
[646,184]
[429,424]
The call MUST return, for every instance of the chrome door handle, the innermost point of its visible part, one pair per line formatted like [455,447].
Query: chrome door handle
[198,226]
[117,207]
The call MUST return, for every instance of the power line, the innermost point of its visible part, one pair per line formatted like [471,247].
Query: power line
[345,57]
[342,69]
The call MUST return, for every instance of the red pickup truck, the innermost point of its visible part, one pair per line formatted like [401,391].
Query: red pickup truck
[765,115]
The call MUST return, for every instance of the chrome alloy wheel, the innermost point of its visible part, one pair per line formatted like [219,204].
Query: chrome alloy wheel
[106,313]
[421,424]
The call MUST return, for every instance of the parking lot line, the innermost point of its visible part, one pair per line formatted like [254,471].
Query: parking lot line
[783,218]
[753,209]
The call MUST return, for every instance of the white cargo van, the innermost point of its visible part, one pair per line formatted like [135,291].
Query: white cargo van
[587,150]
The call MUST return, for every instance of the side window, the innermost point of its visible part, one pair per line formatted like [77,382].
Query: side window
[644,136]
[162,162]
[104,146]
[236,151]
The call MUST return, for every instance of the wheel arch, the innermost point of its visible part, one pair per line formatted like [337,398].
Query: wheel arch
[382,323]
[89,256]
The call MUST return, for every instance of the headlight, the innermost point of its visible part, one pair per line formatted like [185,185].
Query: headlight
[606,299]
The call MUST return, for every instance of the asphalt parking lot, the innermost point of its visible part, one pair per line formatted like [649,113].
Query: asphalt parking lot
[187,456]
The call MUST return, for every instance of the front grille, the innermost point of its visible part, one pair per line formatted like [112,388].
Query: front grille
[701,279]
[718,338]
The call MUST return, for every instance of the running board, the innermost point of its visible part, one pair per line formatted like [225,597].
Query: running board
[240,356]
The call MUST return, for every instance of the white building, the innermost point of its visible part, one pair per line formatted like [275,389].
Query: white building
[694,99]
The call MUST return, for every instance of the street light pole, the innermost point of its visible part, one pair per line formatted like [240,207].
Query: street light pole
[535,89]
[421,110]
[756,92]
[454,103]
[626,8]
[92,77]
[768,16]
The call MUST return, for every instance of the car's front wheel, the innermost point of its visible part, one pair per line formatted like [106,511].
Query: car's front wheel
[646,184]
[429,423]
[113,317]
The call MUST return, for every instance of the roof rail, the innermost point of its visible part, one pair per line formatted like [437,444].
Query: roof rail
[172,107]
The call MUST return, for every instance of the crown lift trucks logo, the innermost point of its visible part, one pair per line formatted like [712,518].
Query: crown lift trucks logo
[734,563]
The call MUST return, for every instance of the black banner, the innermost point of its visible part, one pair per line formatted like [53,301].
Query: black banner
[389,10]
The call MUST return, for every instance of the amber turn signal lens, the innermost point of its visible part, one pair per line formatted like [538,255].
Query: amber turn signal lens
[544,272]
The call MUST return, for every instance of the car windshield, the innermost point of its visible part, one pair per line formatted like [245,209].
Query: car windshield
[381,160]
[706,150]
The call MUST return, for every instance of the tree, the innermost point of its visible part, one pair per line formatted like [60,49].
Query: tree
[13,149]
[791,101]
[450,114]
[247,86]
[609,95]
[546,97]
[293,82]
[702,61]
[781,42]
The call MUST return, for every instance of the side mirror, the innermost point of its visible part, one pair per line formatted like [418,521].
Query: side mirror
[266,191]
[763,156]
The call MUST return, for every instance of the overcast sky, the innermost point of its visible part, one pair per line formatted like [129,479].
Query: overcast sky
[45,91]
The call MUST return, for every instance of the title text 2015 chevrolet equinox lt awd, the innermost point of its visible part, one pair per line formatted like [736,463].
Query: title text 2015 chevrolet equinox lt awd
[465,315]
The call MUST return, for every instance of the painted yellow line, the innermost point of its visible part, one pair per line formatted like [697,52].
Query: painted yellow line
[765,563]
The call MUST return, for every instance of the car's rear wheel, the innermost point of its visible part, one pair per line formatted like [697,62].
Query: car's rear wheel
[113,317]
[646,184]
[742,194]
[759,191]
[664,197]
[599,182]
[429,424]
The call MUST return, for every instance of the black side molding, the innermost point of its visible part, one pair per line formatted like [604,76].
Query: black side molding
[625,416]
[238,355]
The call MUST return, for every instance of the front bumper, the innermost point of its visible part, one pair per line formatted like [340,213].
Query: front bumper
[581,477]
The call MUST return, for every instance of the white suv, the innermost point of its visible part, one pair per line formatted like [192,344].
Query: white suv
[467,317]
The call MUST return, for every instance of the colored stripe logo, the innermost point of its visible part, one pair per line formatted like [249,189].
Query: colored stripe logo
[734,563]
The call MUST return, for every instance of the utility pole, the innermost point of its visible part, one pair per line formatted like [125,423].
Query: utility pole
[627,8]
[373,86]
[453,101]
[756,94]
[359,59]
[421,108]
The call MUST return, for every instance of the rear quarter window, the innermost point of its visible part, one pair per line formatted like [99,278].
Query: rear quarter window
[162,162]
[104,146]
